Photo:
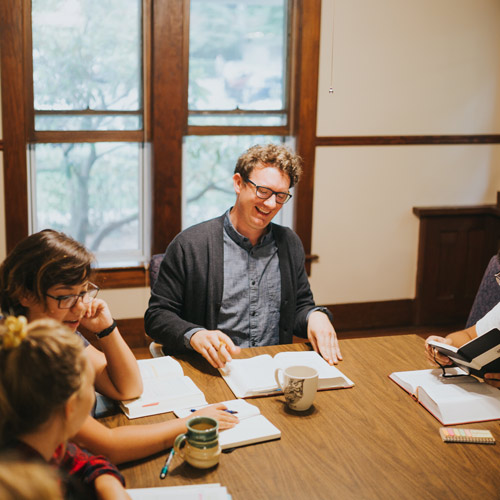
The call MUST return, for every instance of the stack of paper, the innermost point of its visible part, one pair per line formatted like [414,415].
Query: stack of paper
[213,491]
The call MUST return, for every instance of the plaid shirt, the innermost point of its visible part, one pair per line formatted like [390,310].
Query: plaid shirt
[78,468]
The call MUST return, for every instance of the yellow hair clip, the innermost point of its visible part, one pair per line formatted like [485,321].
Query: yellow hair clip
[16,331]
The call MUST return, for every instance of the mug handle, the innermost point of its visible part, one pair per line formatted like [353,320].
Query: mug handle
[179,440]
[277,377]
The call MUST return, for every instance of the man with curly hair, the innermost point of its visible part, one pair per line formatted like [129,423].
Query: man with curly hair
[239,280]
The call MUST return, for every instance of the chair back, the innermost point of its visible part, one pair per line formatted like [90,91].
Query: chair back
[488,294]
[154,268]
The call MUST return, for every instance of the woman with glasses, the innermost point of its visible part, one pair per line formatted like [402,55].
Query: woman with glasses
[47,275]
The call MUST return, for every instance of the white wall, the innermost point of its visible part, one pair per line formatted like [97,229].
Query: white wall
[399,68]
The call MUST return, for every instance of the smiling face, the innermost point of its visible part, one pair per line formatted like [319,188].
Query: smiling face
[251,215]
[69,317]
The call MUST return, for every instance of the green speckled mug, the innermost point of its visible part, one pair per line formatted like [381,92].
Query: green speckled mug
[199,446]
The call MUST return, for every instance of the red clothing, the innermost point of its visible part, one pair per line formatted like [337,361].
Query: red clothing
[78,468]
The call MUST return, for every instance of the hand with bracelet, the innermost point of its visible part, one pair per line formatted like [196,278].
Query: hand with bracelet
[97,319]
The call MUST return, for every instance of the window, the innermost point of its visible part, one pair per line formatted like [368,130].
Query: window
[238,61]
[87,85]
[129,135]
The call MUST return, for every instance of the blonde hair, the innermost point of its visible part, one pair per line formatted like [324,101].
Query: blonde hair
[21,480]
[38,375]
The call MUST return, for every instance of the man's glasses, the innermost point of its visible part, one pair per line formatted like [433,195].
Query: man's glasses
[265,193]
[68,301]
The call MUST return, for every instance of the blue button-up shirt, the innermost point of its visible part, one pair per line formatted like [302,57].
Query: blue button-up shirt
[250,311]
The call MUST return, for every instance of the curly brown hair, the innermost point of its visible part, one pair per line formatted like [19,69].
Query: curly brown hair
[272,155]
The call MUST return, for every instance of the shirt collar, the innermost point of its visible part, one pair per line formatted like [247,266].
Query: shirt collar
[243,241]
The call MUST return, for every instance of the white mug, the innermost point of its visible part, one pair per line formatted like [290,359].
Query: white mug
[299,385]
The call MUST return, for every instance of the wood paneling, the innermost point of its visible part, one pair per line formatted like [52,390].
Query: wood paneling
[169,101]
[14,120]
[395,140]
[306,105]
[455,246]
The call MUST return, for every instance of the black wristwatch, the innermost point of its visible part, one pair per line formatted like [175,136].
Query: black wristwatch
[323,310]
[106,331]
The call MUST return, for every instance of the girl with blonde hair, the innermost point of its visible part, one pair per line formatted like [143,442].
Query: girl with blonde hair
[46,393]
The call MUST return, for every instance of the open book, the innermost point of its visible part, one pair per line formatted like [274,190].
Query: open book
[455,400]
[165,388]
[255,376]
[251,429]
[478,356]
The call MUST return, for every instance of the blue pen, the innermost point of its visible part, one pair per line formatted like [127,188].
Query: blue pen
[232,412]
[164,469]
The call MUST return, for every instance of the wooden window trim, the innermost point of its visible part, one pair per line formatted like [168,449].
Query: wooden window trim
[168,118]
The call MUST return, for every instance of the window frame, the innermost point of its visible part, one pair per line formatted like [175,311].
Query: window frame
[165,123]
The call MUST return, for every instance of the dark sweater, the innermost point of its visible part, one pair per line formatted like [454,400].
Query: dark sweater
[188,291]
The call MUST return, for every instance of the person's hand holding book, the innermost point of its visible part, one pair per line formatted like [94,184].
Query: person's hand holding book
[433,356]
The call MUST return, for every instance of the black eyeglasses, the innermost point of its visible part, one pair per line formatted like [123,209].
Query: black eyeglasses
[497,277]
[68,301]
[265,193]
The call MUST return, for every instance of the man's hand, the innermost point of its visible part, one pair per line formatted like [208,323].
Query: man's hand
[323,338]
[433,356]
[216,347]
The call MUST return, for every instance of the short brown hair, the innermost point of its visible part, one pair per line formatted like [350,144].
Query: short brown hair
[38,376]
[272,155]
[39,262]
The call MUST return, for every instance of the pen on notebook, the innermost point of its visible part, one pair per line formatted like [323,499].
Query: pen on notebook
[164,469]
[232,412]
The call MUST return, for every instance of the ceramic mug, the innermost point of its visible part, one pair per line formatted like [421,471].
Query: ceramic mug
[199,446]
[299,385]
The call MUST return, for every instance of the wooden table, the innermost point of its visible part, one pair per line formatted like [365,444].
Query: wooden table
[369,442]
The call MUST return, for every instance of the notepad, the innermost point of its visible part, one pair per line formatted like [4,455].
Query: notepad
[254,376]
[456,400]
[165,389]
[252,428]
[456,435]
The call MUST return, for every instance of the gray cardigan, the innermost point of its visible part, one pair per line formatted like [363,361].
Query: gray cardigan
[188,291]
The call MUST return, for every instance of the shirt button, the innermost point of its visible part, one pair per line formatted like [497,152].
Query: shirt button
[253,283]
[253,313]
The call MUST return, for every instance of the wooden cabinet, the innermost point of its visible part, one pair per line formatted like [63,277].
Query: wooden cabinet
[455,246]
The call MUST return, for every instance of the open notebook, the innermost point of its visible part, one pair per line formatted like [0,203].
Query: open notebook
[165,388]
[252,428]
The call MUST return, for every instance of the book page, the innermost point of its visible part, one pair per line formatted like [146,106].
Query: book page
[160,397]
[329,376]
[160,368]
[240,406]
[456,403]
[251,375]
[189,492]
[410,380]
[252,430]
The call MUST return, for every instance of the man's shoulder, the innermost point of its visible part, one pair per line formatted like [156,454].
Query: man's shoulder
[284,233]
[200,232]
